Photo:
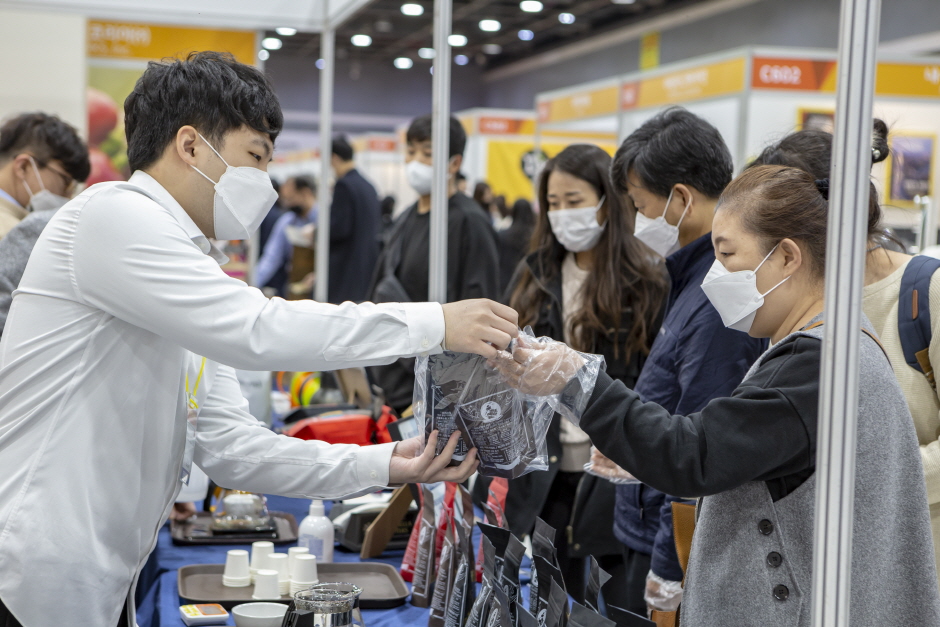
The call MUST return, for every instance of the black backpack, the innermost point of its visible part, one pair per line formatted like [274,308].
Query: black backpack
[914,314]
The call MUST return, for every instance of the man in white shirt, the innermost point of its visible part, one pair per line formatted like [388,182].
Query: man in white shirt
[116,364]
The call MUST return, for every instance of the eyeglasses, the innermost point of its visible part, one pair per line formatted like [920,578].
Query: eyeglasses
[68,183]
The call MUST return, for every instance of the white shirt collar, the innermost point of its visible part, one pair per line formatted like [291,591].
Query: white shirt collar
[159,193]
[9,198]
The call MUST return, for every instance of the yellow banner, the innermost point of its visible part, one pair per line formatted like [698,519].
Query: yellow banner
[649,51]
[905,79]
[504,167]
[580,105]
[116,40]
[705,81]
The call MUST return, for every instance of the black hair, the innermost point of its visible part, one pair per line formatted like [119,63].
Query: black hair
[461,176]
[45,137]
[304,181]
[210,91]
[341,148]
[674,147]
[811,151]
[420,131]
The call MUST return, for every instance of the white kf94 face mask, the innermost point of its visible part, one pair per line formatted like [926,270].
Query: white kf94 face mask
[243,196]
[735,294]
[577,229]
[658,234]
[43,199]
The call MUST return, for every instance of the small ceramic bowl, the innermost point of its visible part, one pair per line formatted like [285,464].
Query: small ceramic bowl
[259,614]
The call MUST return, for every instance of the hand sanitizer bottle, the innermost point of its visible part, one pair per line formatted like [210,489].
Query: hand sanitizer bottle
[316,533]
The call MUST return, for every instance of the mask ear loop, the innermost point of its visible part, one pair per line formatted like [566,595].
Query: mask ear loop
[39,178]
[216,154]
[764,295]
[685,211]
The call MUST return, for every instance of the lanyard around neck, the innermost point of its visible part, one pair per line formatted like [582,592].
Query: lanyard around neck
[191,396]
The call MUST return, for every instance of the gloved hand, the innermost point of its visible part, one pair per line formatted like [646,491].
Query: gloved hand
[601,466]
[662,594]
[539,369]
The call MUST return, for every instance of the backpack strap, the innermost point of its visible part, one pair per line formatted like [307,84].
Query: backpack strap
[914,327]
[864,330]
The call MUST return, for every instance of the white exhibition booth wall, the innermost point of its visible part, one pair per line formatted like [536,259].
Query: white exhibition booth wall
[755,96]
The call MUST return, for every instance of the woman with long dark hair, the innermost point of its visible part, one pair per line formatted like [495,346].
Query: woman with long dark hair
[589,282]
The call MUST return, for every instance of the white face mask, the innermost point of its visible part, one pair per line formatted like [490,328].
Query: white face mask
[735,294]
[577,229]
[658,234]
[419,176]
[243,196]
[43,199]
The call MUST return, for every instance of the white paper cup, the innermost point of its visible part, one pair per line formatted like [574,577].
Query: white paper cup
[305,569]
[259,553]
[278,562]
[299,587]
[292,554]
[266,585]
[237,573]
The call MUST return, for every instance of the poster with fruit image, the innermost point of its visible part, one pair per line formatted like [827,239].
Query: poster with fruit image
[118,54]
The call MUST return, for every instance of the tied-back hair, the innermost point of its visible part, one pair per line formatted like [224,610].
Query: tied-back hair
[777,202]
[811,151]
[625,274]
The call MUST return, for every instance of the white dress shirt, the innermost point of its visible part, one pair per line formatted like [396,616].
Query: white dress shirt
[121,297]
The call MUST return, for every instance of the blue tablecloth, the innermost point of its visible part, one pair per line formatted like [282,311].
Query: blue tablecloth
[158,597]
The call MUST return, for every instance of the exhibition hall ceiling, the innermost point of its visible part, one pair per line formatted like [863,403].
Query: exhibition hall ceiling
[496,32]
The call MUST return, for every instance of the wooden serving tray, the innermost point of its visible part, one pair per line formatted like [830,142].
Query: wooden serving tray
[382,586]
[198,531]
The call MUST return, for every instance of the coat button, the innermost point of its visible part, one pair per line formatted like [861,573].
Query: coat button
[553,459]
[765,527]
[774,559]
[781,593]
[577,547]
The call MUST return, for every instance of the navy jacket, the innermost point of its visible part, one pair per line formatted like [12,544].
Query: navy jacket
[355,223]
[694,359]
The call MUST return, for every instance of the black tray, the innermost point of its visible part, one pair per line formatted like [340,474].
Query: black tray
[198,531]
[382,586]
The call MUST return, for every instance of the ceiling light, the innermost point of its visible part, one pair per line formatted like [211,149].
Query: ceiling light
[566,18]
[426,53]
[361,40]
[457,40]
[623,1]
[531,6]
[321,64]
[492,48]
[272,43]
[263,55]
[490,26]
[286,31]
[404,63]
[526,35]
[412,9]
[461,59]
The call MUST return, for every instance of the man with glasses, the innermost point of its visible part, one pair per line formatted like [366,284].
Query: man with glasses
[41,161]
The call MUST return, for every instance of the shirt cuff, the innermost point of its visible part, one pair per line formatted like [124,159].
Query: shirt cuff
[425,327]
[372,464]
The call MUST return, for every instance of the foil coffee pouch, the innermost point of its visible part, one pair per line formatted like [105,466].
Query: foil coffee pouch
[557,615]
[407,569]
[500,539]
[625,618]
[585,617]
[479,610]
[443,583]
[423,580]
[463,593]
[439,381]
[547,574]
[596,581]
[526,619]
[509,580]
[499,610]
[543,545]
[445,516]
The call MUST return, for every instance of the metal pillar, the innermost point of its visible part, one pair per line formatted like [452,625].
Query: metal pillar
[846,245]
[440,147]
[325,194]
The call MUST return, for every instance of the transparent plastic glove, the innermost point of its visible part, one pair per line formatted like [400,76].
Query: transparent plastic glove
[662,594]
[601,466]
[538,368]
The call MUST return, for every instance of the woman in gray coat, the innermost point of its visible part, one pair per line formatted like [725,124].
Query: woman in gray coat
[752,456]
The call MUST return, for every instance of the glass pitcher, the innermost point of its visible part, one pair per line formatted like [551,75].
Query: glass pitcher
[329,605]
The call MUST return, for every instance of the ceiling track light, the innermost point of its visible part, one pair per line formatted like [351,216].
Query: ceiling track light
[412,9]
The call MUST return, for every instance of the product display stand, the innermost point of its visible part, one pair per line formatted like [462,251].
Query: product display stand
[380,532]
